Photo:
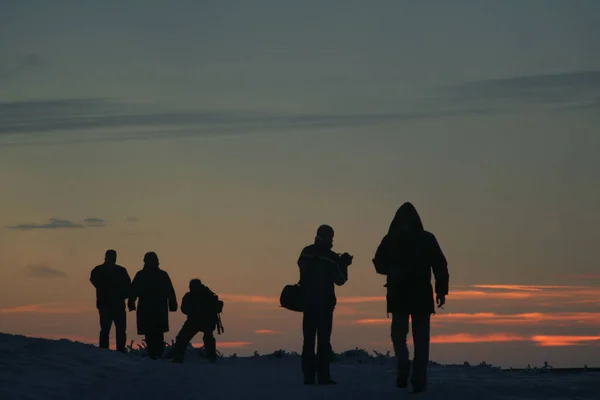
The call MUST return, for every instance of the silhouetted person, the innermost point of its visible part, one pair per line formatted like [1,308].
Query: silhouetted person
[201,306]
[112,283]
[320,269]
[153,287]
[407,255]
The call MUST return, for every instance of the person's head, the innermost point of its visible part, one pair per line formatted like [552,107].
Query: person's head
[325,236]
[110,257]
[195,285]
[407,219]
[151,259]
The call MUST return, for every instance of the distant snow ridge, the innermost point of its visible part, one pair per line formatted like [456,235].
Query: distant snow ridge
[33,368]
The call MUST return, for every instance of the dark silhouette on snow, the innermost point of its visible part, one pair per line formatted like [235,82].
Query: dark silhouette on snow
[407,255]
[112,283]
[153,287]
[202,308]
[320,270]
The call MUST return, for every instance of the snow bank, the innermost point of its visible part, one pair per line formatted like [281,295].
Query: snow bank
[60,369]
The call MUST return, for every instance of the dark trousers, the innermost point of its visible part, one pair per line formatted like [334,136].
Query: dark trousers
[107,317]
[155,344]
[316,326]
[421,335]
[186,334]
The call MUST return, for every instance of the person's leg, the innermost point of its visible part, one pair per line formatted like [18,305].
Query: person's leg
[210,344]
[324,346]
[421,336]
[154,343]
[105,325]
[399,333]
[160,343]
[309,331]
[185,335]
[120,319]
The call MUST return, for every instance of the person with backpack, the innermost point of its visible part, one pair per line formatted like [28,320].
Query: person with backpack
[320,270]
[112,283]
[202,308]
[154,289]
[406,256]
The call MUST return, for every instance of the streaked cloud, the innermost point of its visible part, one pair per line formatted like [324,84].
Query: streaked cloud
[566,90]
[57,223]
[44,271]
[20,66]
[266,332]
[95,222]
[226,345]
[119,119]
[563,341]
[244,298]
[581,318]
[475,338]
[49,308]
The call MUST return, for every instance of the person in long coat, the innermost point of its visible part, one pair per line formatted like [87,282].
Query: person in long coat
[153,288]
[406,256]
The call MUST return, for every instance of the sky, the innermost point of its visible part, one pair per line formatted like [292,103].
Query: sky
[221,134]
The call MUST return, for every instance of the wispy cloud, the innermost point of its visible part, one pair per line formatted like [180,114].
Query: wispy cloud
[95,222]
[227,345]
[567,90]
[524,319]
[81,115]
[20,66]
[583,276]
[44,271]
[49,308]
[563,341]
[475,338]
[244,298]
[266,332]
[57,223]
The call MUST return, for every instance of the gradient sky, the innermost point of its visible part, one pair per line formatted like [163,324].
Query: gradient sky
[220,134]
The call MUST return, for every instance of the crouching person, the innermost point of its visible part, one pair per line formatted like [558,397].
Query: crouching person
[202,308]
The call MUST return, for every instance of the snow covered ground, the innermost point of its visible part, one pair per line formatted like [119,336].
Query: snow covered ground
[49,369]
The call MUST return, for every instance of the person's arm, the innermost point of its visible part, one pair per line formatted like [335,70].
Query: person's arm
[439,265]
[94,277]
[172,299]
[304,261]
[133,293]
[185,304]
[380,260]
[340,269]
[126,284]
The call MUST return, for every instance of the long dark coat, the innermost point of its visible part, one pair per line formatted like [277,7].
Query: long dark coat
[407,257]
[153,287]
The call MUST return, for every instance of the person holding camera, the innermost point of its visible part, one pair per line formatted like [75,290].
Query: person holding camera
[320,270]
[406,256]
[202,307]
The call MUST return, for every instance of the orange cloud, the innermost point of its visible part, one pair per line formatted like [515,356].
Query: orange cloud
[361,299]
[232,345]
[502,319]
[50,308]
[243,298]
[472,338]
[527,288]
[583,276]
[562,341]
[266,332]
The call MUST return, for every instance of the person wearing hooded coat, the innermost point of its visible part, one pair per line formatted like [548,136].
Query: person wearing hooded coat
[406,256]
[320,270]
[153,287]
